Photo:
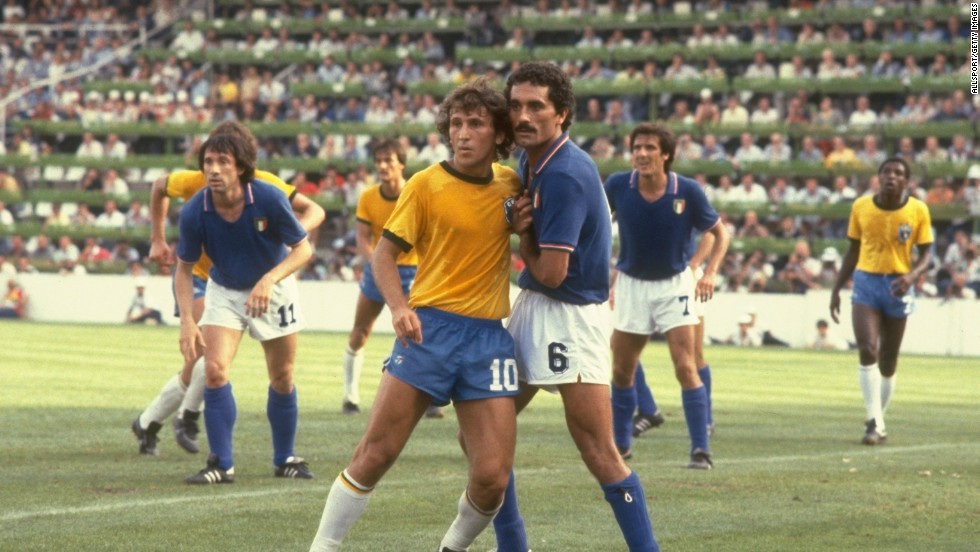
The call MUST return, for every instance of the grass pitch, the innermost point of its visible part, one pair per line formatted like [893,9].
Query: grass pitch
[790,474]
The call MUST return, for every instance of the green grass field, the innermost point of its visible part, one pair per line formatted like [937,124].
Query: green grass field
[790,474]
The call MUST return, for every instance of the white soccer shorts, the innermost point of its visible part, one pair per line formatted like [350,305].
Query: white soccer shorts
[647,306]
[226,308]
[557,343]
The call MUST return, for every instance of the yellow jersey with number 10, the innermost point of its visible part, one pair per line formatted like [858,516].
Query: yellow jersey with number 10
[460,227]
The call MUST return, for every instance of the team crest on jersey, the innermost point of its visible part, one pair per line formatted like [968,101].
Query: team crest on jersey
[509,209]
[679,206]
[261,223]
[904,233]
[537,200]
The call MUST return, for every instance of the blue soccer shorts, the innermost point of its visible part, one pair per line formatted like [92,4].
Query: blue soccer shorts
[460,358]
[875,290]
[370,289]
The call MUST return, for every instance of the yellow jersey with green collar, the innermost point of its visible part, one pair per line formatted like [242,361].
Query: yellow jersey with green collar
[887,236]
[373,209]
[460,227]
[184,184]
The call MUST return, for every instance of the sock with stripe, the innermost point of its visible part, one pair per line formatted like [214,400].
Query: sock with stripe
[695,402]
[165,403]
[629,505]
[469,523]
[220,413]
[705,375]
[623,406]
[346,503]
[353,361]
[508,525]
[283,413]
[645,402]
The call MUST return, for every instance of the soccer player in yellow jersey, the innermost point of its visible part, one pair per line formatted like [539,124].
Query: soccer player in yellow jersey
[373,209]
[883,229]
[451,344]
[184,393]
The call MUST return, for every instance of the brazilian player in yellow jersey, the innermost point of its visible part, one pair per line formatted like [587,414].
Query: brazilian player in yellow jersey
[451,344]
[883,230]
[184,392]
[373,209]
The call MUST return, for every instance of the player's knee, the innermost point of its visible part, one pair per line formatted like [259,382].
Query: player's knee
[215,374]
[489,480]
[867,353]
[687,375]
[358,337]
[372,460]
[282,380]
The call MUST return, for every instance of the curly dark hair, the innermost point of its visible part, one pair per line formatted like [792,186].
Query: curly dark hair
[666,139]
[901,161]
[238,146]
[387,146]
[542,73]
[473,96]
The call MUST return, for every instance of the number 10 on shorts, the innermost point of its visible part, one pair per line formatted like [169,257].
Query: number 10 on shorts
[503,375]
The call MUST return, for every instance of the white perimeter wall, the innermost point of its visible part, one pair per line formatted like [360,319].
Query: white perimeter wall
[940,328]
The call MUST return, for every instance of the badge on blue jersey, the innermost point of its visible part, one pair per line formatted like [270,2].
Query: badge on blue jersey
[509,210]
[679,205]
[261,223]
[904,233]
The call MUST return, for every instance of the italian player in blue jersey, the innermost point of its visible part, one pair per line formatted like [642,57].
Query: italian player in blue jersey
[560,322]
[883,230]
[657,210]
[248,229]
[456,215]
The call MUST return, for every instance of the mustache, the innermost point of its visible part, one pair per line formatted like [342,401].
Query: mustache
[519,128]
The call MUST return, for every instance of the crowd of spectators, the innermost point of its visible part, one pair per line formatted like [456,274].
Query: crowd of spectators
[180,90]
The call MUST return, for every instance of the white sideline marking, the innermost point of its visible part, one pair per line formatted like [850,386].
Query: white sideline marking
[323,489]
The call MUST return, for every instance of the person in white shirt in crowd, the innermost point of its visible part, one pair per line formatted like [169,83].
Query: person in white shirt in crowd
[90,147]
[111,217]
[777,150]
[870,155]
[434,151]
[842,191]
[824,340]
[188,39]
[863,117]
[749,191]
[765,113]
[747,151]
[734,113]
[113,184]
[781,192]
[809,151]
[760,67]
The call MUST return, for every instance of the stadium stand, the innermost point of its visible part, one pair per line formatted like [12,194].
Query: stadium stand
[793,76]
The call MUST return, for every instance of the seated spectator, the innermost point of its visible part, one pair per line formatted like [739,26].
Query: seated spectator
[939,67]
[188,39]
[906,150]
[787,228]
[870,155]
[960,150]
[723,192]
[853,68]
[687,149]
[828,68]
[809,151]
[777,150]
[111,217]
[840,156]
[910,69]
[869,31]
[698,38]
[940,192]
[707,111]
[957,288]
[734,114]
[712,70]
[809,35]
[827,114]
[760,67]
[885,67]
[842,192]
[825,341]
[813,193]
[679,69]
[113,184]
[781,192]
[711,150]
[899,32]
[66,251]
[765,113]
[748,191]
[597,71]
[681,114]
[751,227]
[795,68]
[947,112]
[15,300]
[39,248]
[932,153]
[745,336]
[747,151]
[801,270]
[137,216]
[142,309]
[517,40]
[863,117]
[723,38]
[930,32]
[7,218]
[90,147]
[434,150]
[589,39]
[837,35]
